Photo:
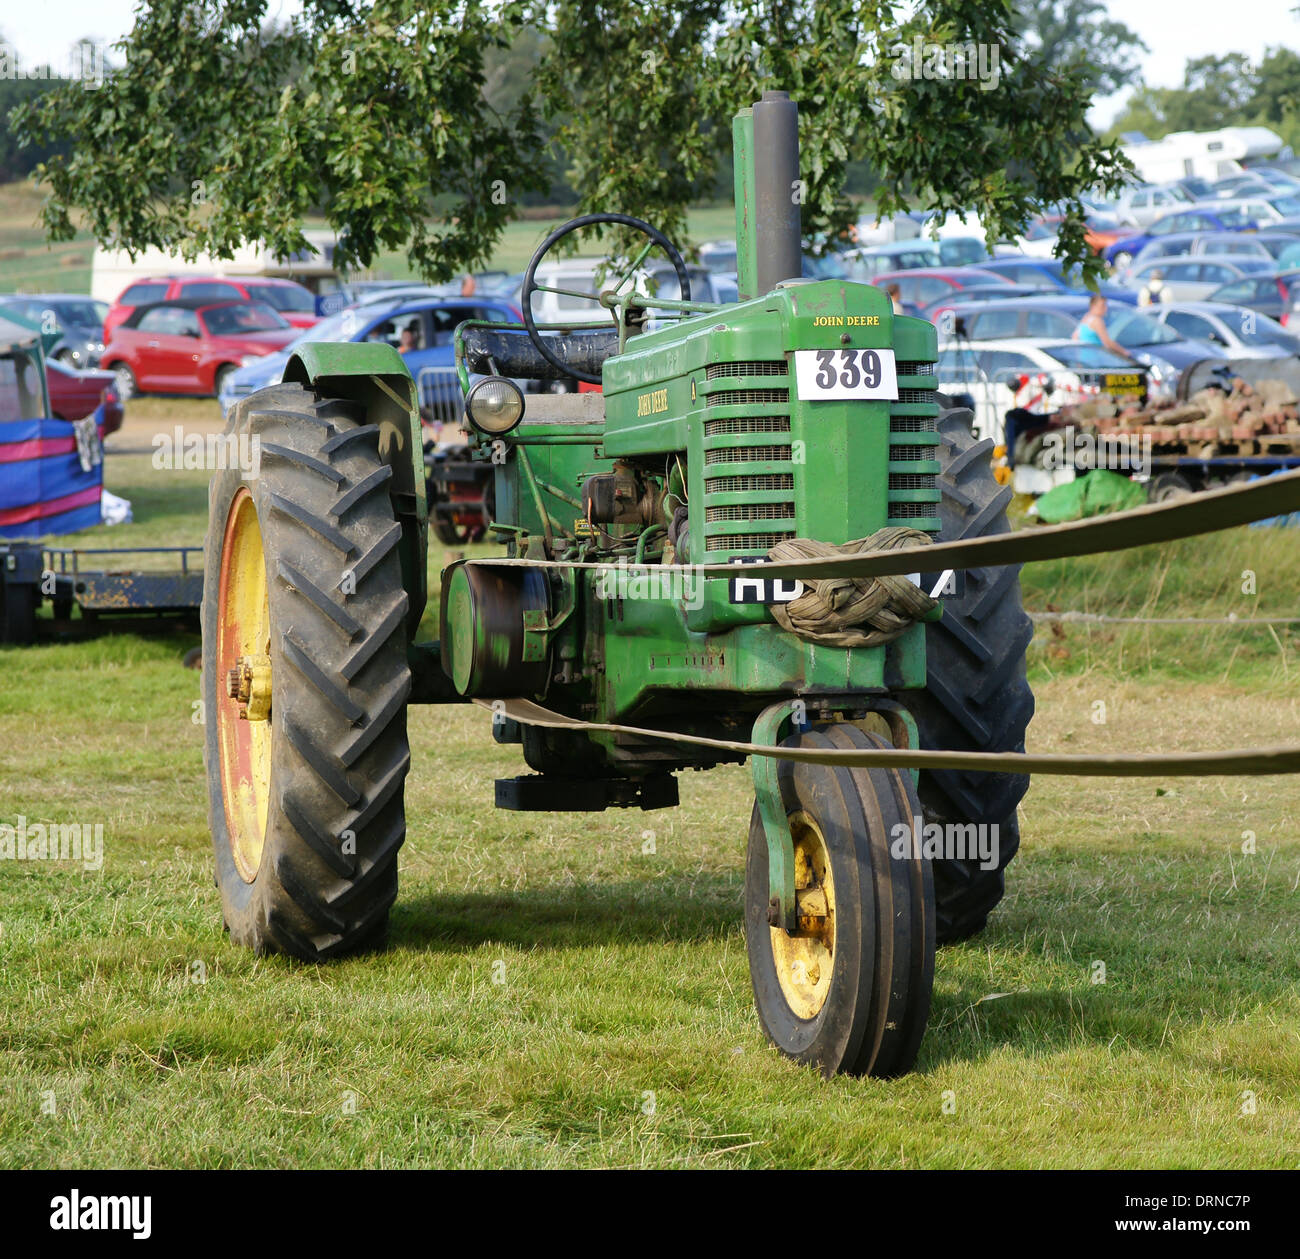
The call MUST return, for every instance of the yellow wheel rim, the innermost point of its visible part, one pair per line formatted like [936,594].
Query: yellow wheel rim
[804,960]
[243,685]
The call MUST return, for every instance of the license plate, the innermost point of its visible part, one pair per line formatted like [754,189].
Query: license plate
[836,375]
[1122,382]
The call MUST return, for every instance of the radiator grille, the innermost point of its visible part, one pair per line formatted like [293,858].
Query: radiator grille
[775,367]
[744,484]
[747,424]
[908,454]
[745,541]
[749,454]
[912,451]
[912,511]
[914,368]
[750,511]
[749,398]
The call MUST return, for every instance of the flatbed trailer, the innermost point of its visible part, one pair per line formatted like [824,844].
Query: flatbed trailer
[108,596]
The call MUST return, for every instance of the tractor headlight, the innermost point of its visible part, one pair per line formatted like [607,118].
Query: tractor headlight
[494,405]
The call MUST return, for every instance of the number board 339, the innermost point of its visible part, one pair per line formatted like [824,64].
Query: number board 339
[834,375]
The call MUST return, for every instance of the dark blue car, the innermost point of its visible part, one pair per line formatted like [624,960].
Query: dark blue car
[429,323]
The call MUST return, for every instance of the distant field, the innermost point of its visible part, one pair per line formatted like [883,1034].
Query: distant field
[29,264]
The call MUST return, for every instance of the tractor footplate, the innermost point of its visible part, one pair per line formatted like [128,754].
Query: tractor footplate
[546,793]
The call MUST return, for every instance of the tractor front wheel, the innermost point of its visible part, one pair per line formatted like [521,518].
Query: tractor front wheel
[849,991]
[305,679]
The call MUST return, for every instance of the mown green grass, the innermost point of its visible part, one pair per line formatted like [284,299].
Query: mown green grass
[622,1031]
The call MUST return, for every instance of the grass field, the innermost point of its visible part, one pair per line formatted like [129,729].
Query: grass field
[29,265]
[556,994]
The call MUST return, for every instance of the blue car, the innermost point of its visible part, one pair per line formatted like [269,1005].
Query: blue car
[1195,219]
[426,325]
[1048,275]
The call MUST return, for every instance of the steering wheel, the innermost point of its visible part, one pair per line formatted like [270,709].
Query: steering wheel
[611,298]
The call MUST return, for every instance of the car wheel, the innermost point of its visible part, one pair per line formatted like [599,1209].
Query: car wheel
[126,386]
[1122,260]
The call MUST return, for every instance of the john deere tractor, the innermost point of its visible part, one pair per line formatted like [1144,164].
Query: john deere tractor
[801,421]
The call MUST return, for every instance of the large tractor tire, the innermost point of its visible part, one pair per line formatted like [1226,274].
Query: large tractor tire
[305,680]
[850,991]
[976,698]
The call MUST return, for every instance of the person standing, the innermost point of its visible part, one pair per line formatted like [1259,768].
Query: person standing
[1154,291]
[1092,328]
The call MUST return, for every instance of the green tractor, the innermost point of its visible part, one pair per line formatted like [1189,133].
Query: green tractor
[801,419]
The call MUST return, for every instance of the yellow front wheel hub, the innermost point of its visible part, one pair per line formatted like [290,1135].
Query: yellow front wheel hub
[804,960]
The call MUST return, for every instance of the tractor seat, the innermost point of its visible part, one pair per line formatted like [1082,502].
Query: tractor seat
[509,352]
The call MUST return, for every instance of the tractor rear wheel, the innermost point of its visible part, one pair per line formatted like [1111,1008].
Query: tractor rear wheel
[305,679]
[850,991]
[977,698]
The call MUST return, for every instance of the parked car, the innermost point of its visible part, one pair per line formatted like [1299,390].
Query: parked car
[1145,203]
[1276,294]
[190,348]
[921,287]
[975,295]
[1191,279]
[1228,329]
[76,394]
[1193,244]
[997,375]
[962,251]
[77,319]
[873,260]
[292,301]
[434,321]
[1050,275]
[719,255]
[1220,218]
[1057,317]
[1039,238]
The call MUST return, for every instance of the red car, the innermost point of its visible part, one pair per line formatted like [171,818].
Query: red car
[925,285]
[293,302]
[182,347]
[74,395]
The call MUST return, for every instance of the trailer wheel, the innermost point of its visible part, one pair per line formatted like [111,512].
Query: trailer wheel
[305,680]
[976,698]
[851,992]
[18,603]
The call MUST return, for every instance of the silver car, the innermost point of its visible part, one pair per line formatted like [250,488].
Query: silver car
[1236,331]
[1190,279]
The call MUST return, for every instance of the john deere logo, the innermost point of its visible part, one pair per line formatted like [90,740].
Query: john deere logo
[652,403]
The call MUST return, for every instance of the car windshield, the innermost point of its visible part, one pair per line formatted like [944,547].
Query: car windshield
[1086,356]
[284,297]
[1131,328]
[225,321]
[961,251]
[85,314]
[1234,218]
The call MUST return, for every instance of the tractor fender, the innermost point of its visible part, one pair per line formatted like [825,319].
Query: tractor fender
[374,375]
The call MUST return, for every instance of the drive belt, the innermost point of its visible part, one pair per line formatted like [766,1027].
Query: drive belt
[1246,761]
[1206,512]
